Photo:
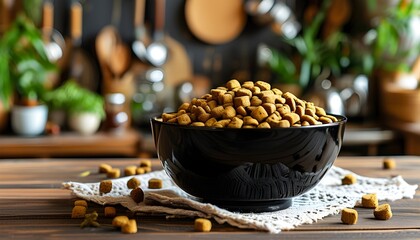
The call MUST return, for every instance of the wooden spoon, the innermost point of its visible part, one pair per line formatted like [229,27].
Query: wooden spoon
[120,59]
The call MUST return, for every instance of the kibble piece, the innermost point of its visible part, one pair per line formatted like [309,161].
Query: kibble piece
[259,113]
[255,101]
[184,119]
[130,170]
[349,179]
[110,211]
[129,227]
[243,92]
[226,99]
[140,170]
[137,195]
[248,120]
[300,110]
[145,163]
[264,125]
[349,216]
[184,107]
[324,119]
[133,183]
[155,183]
[229,113]
[383,212]
[269,107]
[241,111]
[292,118]
[320,111]
[81,203]
[242,101]
[105,186]
[167,116]
[210,122]
[309,119]
[283,123]
[202,225]
[217,112]
[203,118]
[248,84]
[334,119]
[119,221]
[104,168]
[263,85]
[114,173]
[78,212]
[235,123]
[389,163]
[232,84]
[370,200]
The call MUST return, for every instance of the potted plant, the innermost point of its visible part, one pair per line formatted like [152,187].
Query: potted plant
[84,109]
[24,67]
[394,42]
[310,53]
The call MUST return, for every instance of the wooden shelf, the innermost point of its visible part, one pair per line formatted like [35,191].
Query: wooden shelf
[71,144]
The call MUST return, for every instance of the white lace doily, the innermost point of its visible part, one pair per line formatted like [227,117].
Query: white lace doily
[327,198]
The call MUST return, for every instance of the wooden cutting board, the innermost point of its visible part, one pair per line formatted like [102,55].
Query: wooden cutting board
[215,21]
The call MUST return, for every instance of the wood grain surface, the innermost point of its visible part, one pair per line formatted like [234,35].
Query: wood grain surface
[33,205]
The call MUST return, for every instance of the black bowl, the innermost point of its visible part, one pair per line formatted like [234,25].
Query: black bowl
[247,170]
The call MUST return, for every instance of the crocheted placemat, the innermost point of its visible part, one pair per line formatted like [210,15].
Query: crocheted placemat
[329,197]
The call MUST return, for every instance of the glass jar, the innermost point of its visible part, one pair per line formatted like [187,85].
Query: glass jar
[116,118]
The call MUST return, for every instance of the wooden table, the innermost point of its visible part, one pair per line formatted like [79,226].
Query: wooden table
[33,205]
[72,144]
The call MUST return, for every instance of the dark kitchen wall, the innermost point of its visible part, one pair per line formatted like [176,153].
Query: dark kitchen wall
[234,56]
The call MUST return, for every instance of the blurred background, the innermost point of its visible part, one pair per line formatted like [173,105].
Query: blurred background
[93,72]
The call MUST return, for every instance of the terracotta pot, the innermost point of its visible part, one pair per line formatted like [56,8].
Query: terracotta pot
[4,117]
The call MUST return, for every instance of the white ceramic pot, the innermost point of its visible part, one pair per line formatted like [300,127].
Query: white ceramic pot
[29,120]
[84,123]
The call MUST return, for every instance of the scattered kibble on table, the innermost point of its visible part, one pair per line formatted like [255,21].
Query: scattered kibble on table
[155,183]
[383,212]
[349,216]
[140,171]
[130,170]
[137,195]
[110,211]
[389,163]
[145,163]
[114,173]
[129,227]
[119,221]
[202,225]
[370,200]
[105,186]
[348,179]
[133,183]
[78,212]
[81,203]
[104,168]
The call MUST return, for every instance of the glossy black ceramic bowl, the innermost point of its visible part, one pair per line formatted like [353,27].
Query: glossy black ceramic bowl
[247,170]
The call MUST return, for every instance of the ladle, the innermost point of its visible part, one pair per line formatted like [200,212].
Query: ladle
[53,41]
[139,45]
[157,51]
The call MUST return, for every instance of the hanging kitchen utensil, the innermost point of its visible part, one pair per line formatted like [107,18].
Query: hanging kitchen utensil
[81,66]
[259,10]
[54,43]
[141,41]
[216,21]
[157,51]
